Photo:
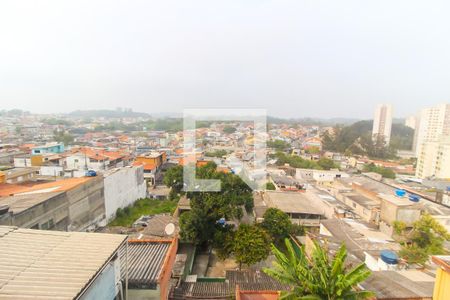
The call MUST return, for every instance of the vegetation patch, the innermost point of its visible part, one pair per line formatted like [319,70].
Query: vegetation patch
[128,215]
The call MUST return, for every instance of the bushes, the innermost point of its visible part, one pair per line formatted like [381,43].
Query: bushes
[385,172]
[126,216]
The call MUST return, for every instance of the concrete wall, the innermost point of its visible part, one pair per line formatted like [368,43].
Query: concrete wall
[22,162]
[86,205]
[51,171]
[122,188]
[53,210]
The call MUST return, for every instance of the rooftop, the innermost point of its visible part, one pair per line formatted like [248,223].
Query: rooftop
[60,265]
[39,187]
[290,202]
[145,259]
[400,284]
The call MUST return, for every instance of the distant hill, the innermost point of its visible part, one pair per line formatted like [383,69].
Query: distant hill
[312,121]
[105,113]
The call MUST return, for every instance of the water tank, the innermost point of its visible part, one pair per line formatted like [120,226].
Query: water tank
[400,193]
[448,189]
[414,198]
[389,257]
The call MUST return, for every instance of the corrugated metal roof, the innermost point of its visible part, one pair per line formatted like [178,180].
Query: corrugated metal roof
[43,264]
[145,261]
[247,280]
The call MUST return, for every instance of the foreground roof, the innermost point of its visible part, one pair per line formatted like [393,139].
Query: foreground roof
[145,259]
[42,264]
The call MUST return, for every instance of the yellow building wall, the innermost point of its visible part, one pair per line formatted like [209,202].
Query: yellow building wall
[157,161]
[36,160]
[2,177]
[442,285]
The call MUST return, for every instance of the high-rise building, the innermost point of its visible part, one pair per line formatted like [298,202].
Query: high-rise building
[434,122]
[382,123]
[411,122]
[434,159]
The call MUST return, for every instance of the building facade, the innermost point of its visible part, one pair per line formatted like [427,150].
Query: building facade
[434,122]
[382,123]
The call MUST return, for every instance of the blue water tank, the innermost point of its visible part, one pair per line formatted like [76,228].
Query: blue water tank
[389,257]
[400,193]
[448,189]
[414,198]
[221,221]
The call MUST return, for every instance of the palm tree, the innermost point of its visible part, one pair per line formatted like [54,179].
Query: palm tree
[318,277]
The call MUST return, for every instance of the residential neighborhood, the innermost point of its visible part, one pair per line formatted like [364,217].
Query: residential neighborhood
[127,184]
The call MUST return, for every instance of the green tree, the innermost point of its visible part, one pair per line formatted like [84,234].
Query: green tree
[173,178]
[229,129]
[270,186]
[385,172]
[63,137]
[326,163]
[224,241]
[199,225]
[426,237]
[251,245]
[277,224]
[358,139]
[217,153]
[319,276]
[278,145]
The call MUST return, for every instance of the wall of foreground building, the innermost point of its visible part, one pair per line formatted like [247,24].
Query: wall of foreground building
[122,188]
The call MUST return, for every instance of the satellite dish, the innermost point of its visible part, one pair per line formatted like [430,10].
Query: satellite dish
[170,229]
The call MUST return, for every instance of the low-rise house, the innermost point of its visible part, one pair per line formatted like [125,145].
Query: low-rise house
[150,267]
[38,264]
[299,206]
[18,175]
[48,148]
[320,177]
[442,283]
[74,204]
[366,208]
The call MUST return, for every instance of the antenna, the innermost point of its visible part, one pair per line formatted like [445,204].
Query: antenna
[170,229]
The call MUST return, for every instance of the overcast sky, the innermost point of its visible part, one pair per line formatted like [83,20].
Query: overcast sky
[295,58]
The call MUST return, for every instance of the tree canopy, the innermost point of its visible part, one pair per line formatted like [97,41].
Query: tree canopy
[251,244]
[270,186]
[216,153]
[277,224]
[278,145]
[320,276]
[357,138]
[426,237]
[385,172]
[298,162]
[229,129]
[200,224]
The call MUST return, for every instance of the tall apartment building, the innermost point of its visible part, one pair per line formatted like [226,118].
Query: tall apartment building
[434,122]
[434,159]
[432,142]
[382,122]
[411,122]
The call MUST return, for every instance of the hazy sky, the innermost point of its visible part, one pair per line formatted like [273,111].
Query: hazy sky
[295,58]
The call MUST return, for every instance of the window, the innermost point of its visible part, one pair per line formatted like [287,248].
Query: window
[75,160]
